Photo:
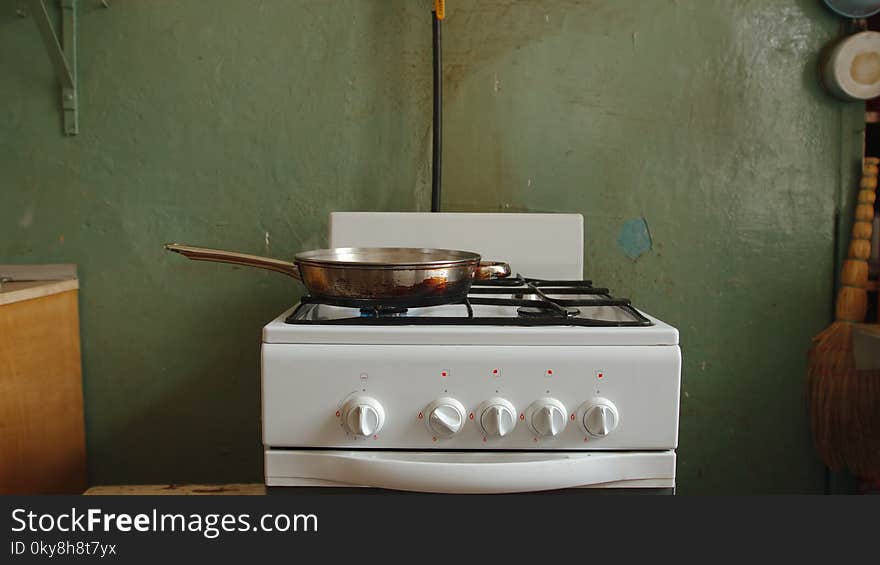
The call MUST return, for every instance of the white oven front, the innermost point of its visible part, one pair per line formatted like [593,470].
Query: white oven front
[309,442]
[313,395]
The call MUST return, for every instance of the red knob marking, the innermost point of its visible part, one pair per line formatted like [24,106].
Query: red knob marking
[337,413]
[572,417]
[421,416]
[522,416]
[471,416]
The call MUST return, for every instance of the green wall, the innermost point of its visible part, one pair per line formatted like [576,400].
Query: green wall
[243,125]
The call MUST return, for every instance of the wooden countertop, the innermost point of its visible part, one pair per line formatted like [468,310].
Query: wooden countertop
[24,282]
[228,489]
[17,291]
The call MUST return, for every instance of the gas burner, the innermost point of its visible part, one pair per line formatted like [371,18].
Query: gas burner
[541,312]
[382,311]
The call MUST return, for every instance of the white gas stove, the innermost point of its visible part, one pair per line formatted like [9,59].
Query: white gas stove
[540,382]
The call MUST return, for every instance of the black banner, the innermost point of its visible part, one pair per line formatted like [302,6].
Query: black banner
[135,529]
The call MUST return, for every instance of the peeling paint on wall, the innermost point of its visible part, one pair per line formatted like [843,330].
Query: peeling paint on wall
[27,218]
[634,239]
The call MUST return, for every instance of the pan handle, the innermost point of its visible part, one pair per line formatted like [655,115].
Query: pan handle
[492,270]
[218,256]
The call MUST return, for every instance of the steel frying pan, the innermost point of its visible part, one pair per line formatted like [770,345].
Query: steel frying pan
[371,276]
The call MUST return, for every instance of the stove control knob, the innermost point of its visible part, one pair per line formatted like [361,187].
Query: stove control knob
[445,417]
[547,417]
[363,416]
[497,417]
[599,417]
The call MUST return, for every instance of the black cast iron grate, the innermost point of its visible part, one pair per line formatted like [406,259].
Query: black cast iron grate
[538,303]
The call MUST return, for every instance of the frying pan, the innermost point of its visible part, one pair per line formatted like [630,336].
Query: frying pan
[371,276]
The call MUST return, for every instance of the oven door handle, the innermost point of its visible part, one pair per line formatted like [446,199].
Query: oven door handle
[467,472]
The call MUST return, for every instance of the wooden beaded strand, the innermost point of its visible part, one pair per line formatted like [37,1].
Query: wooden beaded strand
[852,298]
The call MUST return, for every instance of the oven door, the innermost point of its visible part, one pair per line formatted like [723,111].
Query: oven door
[470,472]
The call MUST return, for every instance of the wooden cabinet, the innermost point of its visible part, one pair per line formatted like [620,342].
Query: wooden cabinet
[42,435]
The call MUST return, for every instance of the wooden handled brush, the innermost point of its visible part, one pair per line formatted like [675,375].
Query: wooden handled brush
[845,402]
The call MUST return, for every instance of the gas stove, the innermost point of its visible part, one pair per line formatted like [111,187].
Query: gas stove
[529,384]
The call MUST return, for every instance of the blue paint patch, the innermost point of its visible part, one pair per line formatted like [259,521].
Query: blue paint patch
[634,238]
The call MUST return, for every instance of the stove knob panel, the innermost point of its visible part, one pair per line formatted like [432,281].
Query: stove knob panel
[445,417]
[363,416]
[547,417]
[599,417]
[497,417]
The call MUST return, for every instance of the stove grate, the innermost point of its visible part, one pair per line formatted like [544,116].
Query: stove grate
[540,298]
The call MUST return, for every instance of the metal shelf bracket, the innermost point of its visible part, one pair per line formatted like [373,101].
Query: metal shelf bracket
[62,54]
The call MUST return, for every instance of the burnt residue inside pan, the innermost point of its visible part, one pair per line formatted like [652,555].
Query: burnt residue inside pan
[434,286]
[430,287]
